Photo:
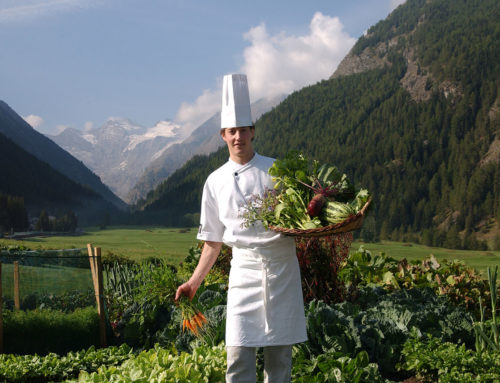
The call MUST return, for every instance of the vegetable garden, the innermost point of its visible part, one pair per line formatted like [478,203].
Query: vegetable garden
[387,320]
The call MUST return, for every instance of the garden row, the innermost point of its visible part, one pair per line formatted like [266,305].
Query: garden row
[388,320]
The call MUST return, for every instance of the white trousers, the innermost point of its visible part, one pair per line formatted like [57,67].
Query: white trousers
[241,364]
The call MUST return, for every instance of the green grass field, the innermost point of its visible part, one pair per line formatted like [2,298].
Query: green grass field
[45,280]
[172,244]
[135,243]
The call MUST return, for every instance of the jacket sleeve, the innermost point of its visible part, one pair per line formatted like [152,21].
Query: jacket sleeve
[211,228]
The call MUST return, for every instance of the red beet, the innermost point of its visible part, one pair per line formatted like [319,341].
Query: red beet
[320,197]
[316,204]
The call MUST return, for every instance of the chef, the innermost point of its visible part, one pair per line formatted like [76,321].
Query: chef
[264,304]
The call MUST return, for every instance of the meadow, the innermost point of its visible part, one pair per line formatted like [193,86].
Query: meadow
[137,243]
[52,280]
[172,244]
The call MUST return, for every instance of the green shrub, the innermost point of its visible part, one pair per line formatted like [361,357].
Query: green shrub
[434,361]
[463,285]
[44,331]
[380,322]
[110,258]
[141,307]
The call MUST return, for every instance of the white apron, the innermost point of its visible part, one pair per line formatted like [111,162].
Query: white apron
[264,304]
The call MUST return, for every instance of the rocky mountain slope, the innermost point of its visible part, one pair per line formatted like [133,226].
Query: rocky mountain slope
[204,140]
[119,151]
[132,159]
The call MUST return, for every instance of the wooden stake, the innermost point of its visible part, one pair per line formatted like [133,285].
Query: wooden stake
[90,250]
[96,269]
[17,302]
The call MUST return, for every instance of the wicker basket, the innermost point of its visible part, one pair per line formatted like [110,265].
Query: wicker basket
[350,224]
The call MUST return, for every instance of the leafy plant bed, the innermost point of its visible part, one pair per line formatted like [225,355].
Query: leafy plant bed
[45,331]
[203,364]
[447,362]
[350,341]
[55,368]
[379,323]
[463,285]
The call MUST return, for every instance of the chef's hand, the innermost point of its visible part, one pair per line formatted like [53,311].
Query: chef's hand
[185,289]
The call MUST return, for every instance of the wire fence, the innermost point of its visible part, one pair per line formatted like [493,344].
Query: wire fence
[61,281]
[44,277]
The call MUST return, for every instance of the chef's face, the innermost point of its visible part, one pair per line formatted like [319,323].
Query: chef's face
[239,143]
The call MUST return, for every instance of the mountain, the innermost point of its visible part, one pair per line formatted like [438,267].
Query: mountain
[412,114]
[119,150]
[21,133]
[203,140]
[43,187]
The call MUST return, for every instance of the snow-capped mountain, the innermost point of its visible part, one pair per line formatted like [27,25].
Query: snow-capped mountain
[203,140]
[132,159]
[119,150]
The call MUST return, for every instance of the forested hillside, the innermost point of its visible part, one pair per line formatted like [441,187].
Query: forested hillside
[13,126]
[412,114]
[37,186]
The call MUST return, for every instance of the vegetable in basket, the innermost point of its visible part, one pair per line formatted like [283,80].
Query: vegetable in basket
[306,196]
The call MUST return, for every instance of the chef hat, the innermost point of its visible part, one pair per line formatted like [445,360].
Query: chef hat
[235,102]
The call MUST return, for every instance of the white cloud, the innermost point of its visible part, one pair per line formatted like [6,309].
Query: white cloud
[282,64]
[33,120]
[193,115]
[279,64]
[21,10]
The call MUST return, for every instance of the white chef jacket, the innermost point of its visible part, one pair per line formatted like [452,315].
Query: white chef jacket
[265,305]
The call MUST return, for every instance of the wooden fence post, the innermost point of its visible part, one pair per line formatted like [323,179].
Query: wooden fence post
[96,268]
[17,301]
[1,313]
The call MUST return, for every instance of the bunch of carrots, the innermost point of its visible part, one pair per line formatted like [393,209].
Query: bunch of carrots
[192,324]
[192,318]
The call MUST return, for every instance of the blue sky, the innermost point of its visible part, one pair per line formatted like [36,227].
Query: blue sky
[78,62]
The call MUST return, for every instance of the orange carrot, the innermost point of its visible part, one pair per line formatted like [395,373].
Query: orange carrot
[202,317]
[189,326]
[193,324]
[198,321]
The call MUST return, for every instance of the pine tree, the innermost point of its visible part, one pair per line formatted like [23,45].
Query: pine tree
[43,223]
